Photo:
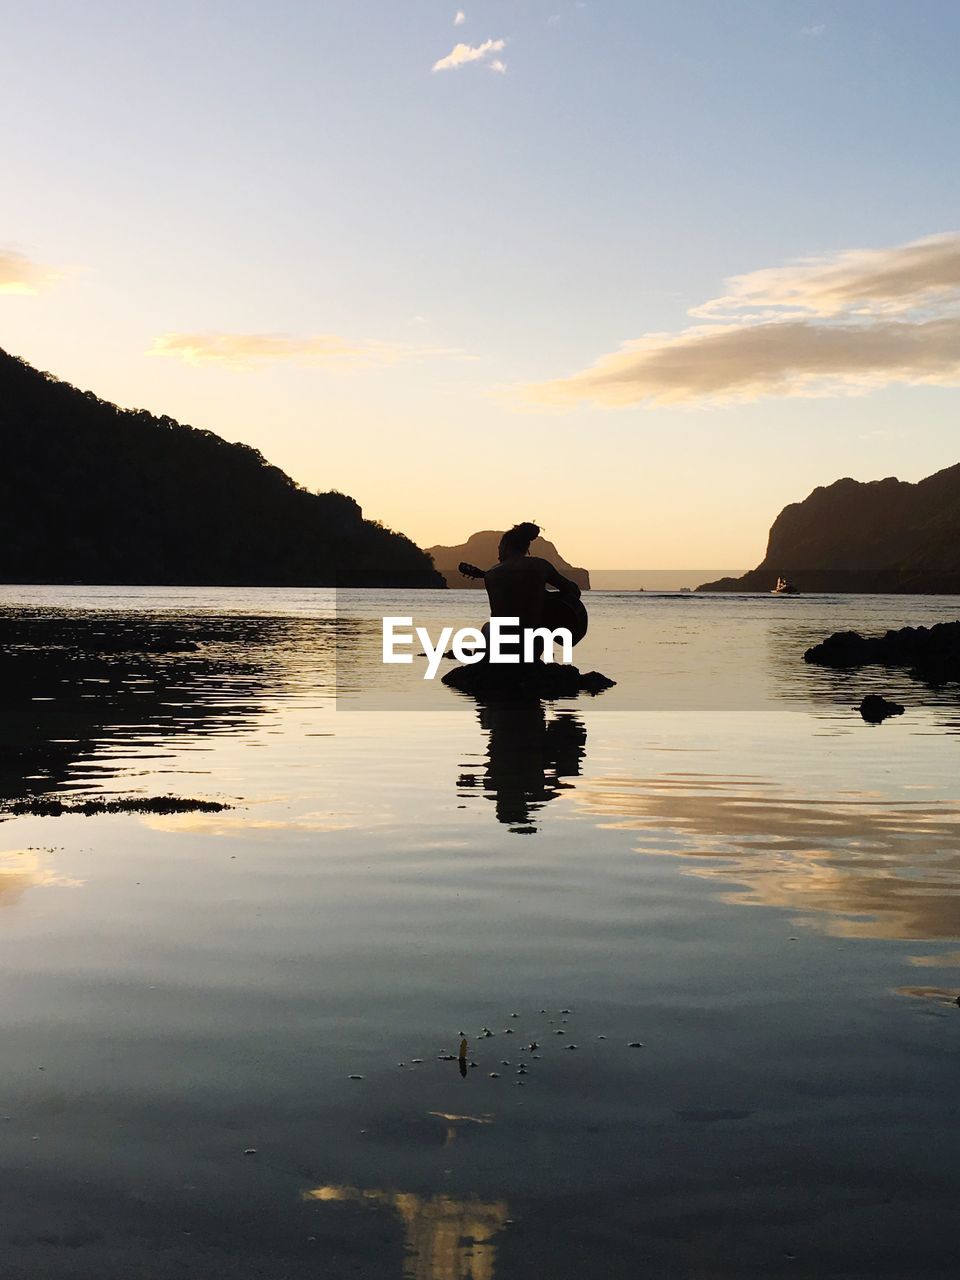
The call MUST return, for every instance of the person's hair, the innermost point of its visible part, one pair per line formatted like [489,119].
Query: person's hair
[517,540]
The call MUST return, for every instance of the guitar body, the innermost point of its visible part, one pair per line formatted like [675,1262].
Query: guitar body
[561,611]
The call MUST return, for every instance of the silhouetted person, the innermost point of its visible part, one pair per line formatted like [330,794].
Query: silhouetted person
[517,584]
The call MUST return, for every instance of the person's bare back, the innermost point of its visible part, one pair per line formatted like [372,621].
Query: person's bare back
[516,588]
[517,585]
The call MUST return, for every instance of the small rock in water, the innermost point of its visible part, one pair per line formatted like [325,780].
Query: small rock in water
[634,1044]
[508,1031]
[416,1061]
[601,1037]
[559,1033]
[354,1077]
[571,1046]
[250,1151]
[875,709]
[494,1075]
[514,1015]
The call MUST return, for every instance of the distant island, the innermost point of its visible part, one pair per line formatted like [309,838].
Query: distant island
[881,536]
[481,549]
[96,494]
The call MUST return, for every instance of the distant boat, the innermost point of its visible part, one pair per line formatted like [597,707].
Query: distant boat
[784,588]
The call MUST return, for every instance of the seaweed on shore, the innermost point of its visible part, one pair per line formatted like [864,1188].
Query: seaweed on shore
[48,807]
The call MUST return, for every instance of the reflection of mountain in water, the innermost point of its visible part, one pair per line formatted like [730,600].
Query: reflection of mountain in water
[444,1238]
[528,756]
[78,687]
[873,869]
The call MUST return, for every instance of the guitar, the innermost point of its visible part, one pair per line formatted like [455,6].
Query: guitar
[470,570]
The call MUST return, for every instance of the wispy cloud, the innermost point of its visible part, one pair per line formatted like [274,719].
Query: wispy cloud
[814,31]
[460,19]
[463,54]
[921,273]
[248,349]
[825,326]
[19,274]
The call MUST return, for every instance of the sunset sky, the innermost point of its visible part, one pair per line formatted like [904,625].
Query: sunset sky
[643,272]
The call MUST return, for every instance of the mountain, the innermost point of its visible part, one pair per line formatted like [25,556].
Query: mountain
[93,493]
[885,535]
[481,549]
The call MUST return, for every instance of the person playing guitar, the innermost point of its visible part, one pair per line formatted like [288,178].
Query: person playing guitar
[517,584]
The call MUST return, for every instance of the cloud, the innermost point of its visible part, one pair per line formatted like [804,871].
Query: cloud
[462,54]
[918,274]
[813,32]
[847,324]
[745,362]
[460,19]
[260,348]
[19,275]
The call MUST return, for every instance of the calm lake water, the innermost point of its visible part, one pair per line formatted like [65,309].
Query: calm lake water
[717,861]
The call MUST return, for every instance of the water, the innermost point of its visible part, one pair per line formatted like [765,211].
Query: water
[717,860]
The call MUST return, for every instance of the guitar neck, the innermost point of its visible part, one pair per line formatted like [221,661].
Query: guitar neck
[470,570]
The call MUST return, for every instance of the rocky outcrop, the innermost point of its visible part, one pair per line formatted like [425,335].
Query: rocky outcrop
[542,680]
[931,653]
[874,708]
[882,536]
[481,549]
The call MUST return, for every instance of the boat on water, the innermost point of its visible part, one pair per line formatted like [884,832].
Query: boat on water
[784,588]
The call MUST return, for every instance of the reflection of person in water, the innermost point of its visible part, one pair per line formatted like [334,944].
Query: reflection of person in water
[527,757]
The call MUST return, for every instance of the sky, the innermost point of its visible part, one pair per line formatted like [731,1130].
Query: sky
[642,272]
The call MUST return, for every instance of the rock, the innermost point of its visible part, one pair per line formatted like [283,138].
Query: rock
[481,549]
[881,536]
[931,653]
[541,680]
[875,709]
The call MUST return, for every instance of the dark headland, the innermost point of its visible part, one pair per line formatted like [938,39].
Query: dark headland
[882,536]
[93,493]
[481,549]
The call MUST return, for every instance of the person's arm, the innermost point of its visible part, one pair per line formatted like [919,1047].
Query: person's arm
[563,585]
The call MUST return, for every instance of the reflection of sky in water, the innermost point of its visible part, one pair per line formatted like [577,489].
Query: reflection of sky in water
[444,1238]
[199,985]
